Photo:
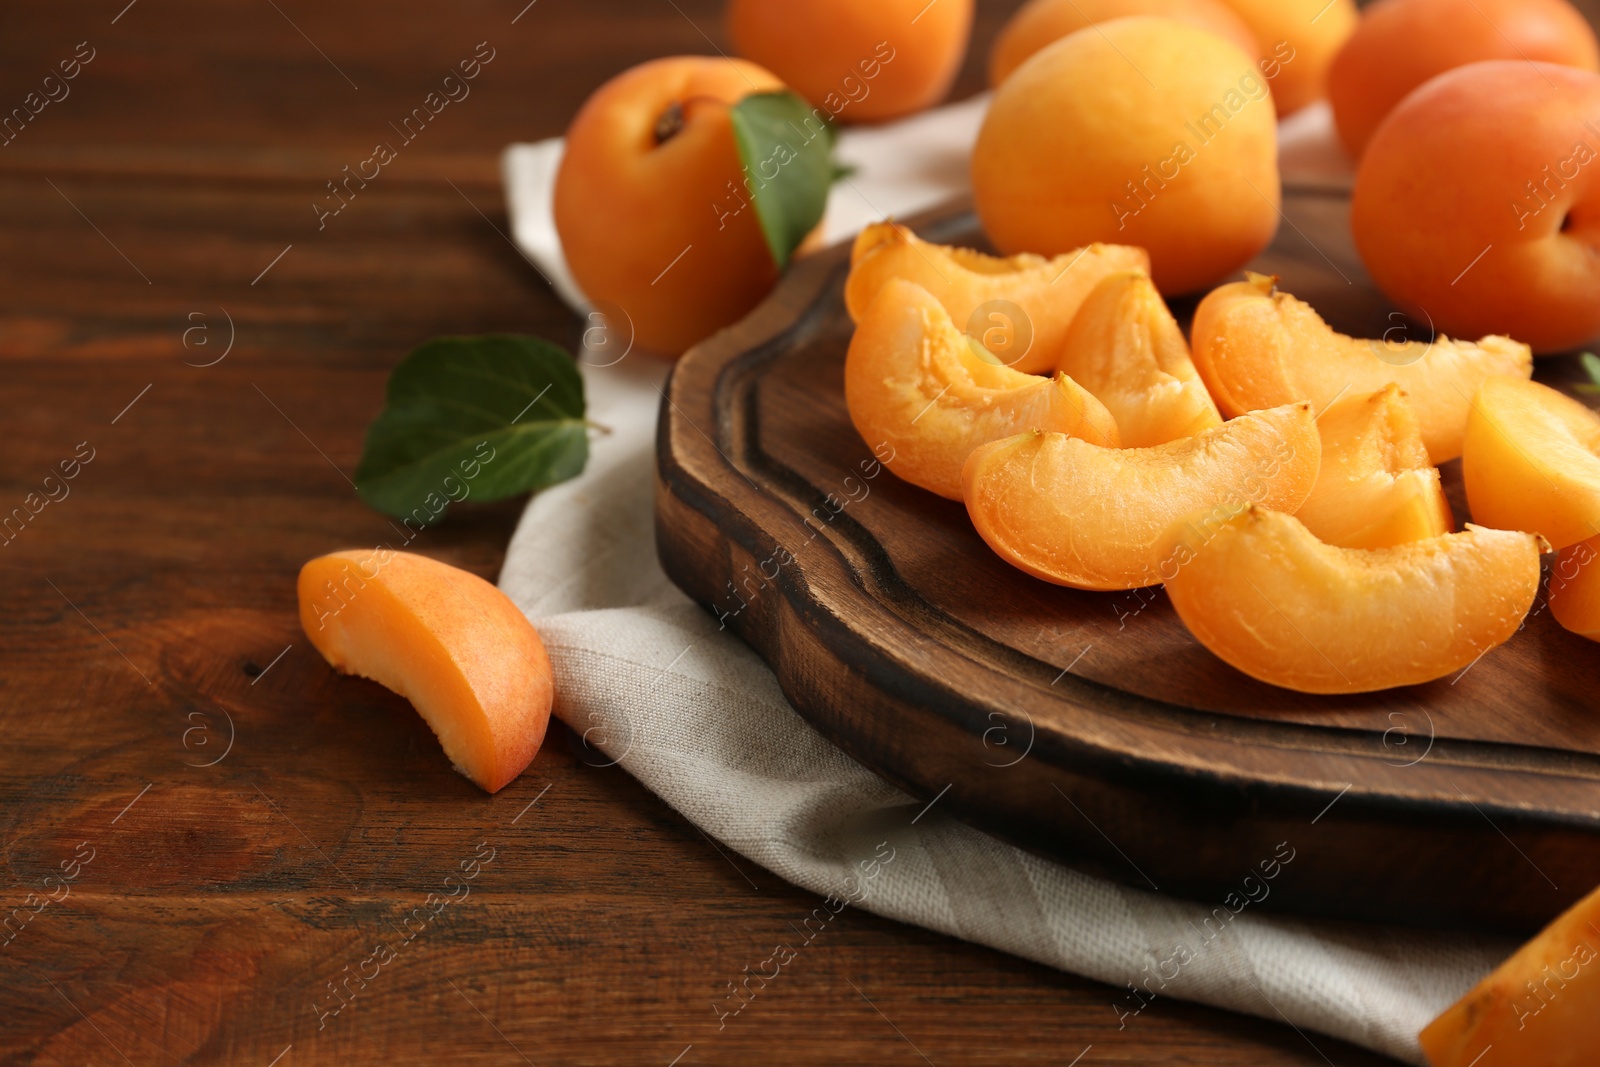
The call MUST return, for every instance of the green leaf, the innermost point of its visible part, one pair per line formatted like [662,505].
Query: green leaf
[473,418]
[1591,366]
[787,151]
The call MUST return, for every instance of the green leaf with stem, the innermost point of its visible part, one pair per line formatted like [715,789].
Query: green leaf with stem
[480,418]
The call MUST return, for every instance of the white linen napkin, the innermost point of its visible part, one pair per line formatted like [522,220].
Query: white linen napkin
[649,679]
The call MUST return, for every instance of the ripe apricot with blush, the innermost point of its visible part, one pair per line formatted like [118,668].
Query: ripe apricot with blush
[1140,131]
[1265,596]
[1256,346]
[1125,347]
[1377,487]
[1041,22]
[1018,307]
[1532,461]
[1400,44]
[649,160]
[915,383]
[858,60]
[449,642]
[1301,39]
[1079,515]
[1509,245]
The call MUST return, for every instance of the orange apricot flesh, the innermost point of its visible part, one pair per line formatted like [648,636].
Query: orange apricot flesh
[1018,307]
[449,642]
[1125,347]
[1265,596]
[1080,515]
[1257,347]
[1532,461]
[1575,588]
[1377,487]
[1537,1009]
[915,383]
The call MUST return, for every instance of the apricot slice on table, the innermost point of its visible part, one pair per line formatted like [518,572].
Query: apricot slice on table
[1018,307]
[1257,347]
[1264,595]
[1076,514]
[1537,1009]
[1125,347]
[1532,461]
[1377,487]
[446,640]
[915,383]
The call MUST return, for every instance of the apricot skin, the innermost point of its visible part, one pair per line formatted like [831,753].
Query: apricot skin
[1400,44]
[915,386]
[1046,292]
[1265,596]
[1532,461]
[1257,347]
[1042,22]
[859,61]
[1537,1009]
[1313,31]
[1472,249]
[627,208]
[446,640]
[1079,146]
[1078,515]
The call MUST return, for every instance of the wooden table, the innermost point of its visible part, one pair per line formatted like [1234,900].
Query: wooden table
[170,307]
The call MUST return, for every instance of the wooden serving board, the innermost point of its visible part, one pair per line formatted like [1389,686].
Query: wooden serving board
[1091,728]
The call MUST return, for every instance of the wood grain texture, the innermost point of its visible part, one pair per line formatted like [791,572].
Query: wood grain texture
[220,904]
[1091,727]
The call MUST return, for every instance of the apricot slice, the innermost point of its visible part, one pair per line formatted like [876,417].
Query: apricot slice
[1125,347]
[1537,1009]
[932,394]
[446,640]
[1019,307]
[1377,487]
[1077,514]
[1575,588]
[1264,595]
[1532,461]
[1255,347]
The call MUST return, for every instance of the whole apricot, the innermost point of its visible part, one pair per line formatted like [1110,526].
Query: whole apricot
[1402,43]
[647,200]
[859,60]
[1298,40]
[1476,205]
[1041,22]
[1139,131]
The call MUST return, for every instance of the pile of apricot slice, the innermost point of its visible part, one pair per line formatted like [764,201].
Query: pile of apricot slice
[1278,479]
[934,394]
